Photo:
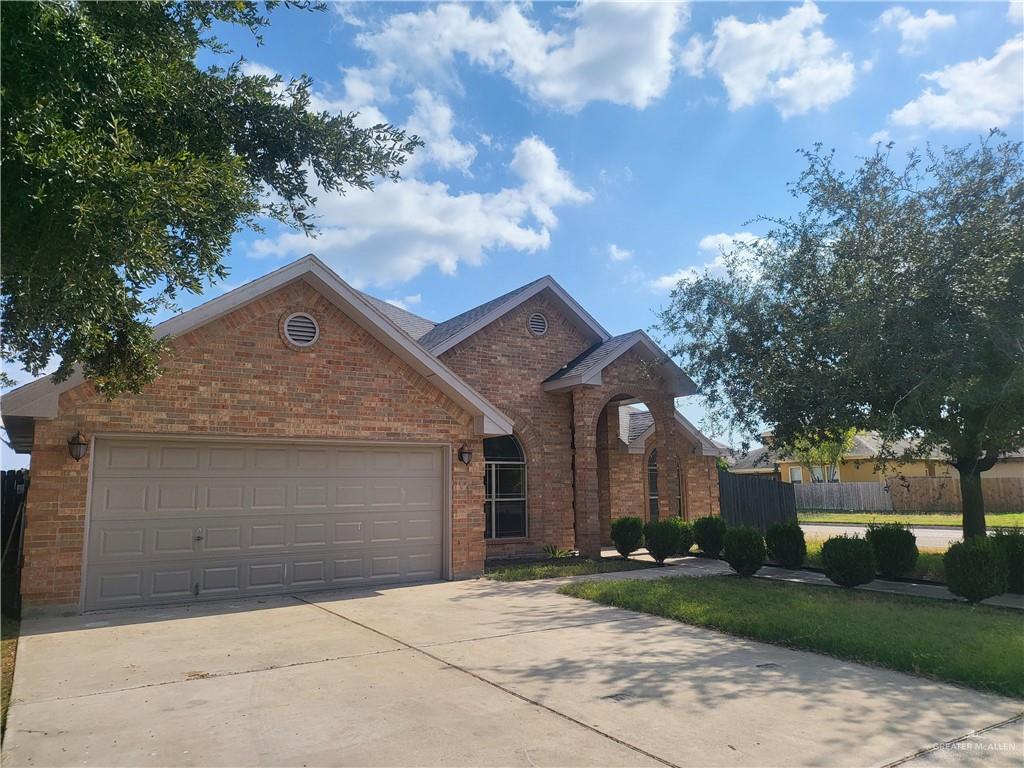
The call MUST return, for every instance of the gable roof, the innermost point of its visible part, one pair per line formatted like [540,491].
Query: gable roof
[39,398]
[641,429]
[585,369]
[446,335]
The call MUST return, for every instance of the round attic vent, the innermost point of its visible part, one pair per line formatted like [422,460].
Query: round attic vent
[538,324]
[301,329]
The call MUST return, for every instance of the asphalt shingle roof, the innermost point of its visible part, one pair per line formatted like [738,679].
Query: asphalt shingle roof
[449,328]
[595,357]
[413,325]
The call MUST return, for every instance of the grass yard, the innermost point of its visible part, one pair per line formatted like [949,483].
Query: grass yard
[552,569]
[8,651]
[1004,520]
[976,646]
[928,566]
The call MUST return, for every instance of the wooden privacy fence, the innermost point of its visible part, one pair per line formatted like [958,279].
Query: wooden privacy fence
[942,494]
[13,490]
[755,501]
[866,496]
[910,494]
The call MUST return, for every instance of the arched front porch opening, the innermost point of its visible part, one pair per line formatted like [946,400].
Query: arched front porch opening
[634,477]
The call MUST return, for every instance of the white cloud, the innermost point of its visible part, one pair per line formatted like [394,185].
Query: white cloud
[915,30]
[788,61]
[692,57]
[971,95]
[396,231]
[623,53]
[712,248]
[881,136]
[406,302]
[615,253]
[432,121]
[1015,11]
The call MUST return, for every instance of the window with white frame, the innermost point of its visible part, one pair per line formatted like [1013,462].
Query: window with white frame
[796,475]
[504,488]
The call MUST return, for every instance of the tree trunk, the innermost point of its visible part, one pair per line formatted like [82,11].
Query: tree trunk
[973,502]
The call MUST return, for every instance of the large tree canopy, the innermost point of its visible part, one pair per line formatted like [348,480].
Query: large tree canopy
[127,168]
[893,302]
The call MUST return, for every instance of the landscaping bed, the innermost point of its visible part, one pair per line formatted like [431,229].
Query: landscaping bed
[556,567]
[976,646]
[840,517]
[927,568]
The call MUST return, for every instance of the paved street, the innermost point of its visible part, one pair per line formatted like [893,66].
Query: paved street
[933,538]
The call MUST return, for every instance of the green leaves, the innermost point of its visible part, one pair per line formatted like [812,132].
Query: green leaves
[127,169]
[894,301]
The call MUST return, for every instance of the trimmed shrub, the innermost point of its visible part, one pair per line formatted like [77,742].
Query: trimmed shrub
[895,548]
[975,568]
[1012,542]
[662,538]
[709,533]
[627,535]
[848,561]
[685,535]
[786,544]
[744,550]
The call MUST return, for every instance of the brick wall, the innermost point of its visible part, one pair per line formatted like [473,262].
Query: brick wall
[507,364]
[236,376]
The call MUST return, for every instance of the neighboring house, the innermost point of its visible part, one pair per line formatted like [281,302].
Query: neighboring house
[859,465]
[305,435]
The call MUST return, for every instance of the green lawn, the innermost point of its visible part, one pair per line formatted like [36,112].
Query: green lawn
[976,646]
[928,566]
[1004,520]
[551,569]
[8,650]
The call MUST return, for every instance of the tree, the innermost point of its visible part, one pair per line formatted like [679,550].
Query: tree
[127,168]
[825,451]
[894,301]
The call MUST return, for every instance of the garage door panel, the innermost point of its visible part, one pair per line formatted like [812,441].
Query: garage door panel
[170,520]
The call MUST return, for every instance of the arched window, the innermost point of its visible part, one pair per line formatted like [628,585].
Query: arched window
[652,485]
[504,488]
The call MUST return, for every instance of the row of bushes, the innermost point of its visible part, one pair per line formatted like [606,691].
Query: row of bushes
[975,569]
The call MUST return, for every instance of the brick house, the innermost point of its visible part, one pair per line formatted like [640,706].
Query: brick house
[304,435]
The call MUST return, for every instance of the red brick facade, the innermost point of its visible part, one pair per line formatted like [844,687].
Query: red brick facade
[238,377]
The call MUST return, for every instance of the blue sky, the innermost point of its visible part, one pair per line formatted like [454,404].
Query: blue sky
[616,147]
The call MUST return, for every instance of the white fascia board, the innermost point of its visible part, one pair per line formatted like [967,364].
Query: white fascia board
[568,382]
[546,283]
[39,398]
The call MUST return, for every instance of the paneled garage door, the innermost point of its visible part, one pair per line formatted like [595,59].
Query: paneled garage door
[173,521]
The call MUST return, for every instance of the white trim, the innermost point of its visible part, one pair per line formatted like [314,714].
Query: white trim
[683,384]
[545,283]
[40,397]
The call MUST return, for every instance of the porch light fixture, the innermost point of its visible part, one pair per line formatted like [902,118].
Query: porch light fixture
[78,446]
[465,455]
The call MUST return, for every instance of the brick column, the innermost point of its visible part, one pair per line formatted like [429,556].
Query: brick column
[668,461]
[588,526]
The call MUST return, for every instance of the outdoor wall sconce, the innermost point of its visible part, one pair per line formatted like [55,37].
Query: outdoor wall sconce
[78,446]
[465,455]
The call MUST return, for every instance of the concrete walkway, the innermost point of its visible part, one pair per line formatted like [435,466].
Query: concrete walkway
[461,674]
[697,566]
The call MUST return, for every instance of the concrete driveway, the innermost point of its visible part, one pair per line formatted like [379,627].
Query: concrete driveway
[462,674]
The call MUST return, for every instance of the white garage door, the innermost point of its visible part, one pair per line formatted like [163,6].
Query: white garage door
[173,521]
